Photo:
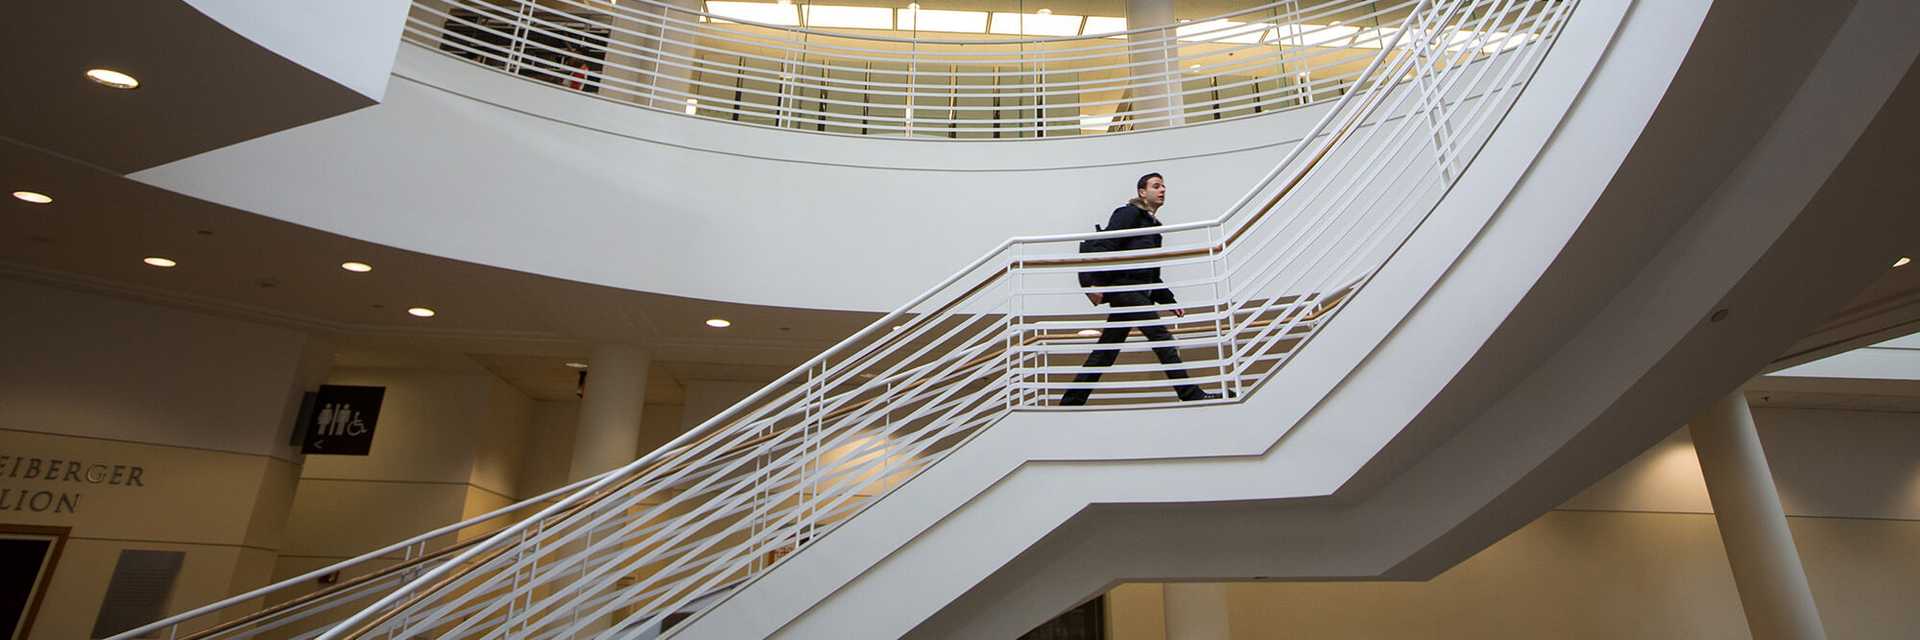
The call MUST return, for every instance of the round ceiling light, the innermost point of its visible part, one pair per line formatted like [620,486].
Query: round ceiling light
[356,267]
[157,261]
[112,78]
[1902,261]
[577,365]
[719,323]
[33,197]
[420,312]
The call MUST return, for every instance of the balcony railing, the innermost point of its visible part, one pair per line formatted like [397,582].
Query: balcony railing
[795,74]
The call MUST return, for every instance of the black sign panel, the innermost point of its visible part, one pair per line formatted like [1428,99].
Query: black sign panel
[342,420]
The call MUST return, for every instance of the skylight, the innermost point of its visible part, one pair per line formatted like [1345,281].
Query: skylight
[1035,24]
[1226,31]
[843,17]
[942,20]
[764,12]
[1104,24]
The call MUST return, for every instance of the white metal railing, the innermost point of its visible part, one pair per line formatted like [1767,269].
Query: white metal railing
[664,56]
[671,534]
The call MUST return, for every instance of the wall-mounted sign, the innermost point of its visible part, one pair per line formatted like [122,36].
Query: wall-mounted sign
[342,420]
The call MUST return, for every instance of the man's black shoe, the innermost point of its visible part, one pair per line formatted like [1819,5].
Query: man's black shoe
[1204,395]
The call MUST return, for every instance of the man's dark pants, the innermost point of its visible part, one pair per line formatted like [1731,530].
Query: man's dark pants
[1105,357]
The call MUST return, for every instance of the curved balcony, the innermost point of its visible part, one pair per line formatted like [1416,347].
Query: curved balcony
[962,75]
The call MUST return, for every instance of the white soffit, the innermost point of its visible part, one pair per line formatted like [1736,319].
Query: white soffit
[1896,359]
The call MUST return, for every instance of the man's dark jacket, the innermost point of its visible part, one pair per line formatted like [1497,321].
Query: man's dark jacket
[1132,216]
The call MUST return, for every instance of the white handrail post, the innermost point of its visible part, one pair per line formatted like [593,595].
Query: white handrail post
[517,50]
[1217,272]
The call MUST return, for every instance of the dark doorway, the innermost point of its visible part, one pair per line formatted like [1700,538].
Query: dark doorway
[27,557]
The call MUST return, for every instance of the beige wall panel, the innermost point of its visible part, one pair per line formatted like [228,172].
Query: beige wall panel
[86,364]
[1570,575]
[80,584]
[500,439]
[183,495]
[345,518]
[1638,554]
[659,425]
[1865,575]
[1851,464]
[428,423]
[252,569]
[1593,575]
[707,398]
[549,447]
[272,503]
[480,501]
[1137,612]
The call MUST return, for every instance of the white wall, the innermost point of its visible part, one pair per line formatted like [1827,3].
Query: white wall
[351,42]
[458,159]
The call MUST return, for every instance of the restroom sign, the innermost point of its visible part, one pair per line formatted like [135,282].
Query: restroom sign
[342,419]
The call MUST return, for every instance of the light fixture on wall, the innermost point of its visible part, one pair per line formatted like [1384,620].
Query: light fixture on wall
[33,197]
[356,267]
[157,261]
[421,312]
[577,365]
[1902,262]
[1091,333]
[113,78]
[719,323]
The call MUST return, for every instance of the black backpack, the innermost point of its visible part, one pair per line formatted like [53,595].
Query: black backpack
[1094,245]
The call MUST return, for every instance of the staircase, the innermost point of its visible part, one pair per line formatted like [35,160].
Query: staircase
[751,523]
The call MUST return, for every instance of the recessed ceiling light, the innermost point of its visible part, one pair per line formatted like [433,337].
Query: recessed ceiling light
[1045,12]
[356,267]
[577,365]
[1902,261]
[420,312]
[719,323]
[158,261]
[112,78]
[1091,333]
[33,197]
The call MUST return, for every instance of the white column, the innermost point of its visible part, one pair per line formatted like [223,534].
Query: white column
[1197,611]
[1159,97]
[608,434]
[1766,566]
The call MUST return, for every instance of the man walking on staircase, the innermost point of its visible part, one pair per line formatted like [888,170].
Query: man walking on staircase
[1150,192]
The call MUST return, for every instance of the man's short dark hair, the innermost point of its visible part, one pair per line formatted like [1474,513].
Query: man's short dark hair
[1142,182]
